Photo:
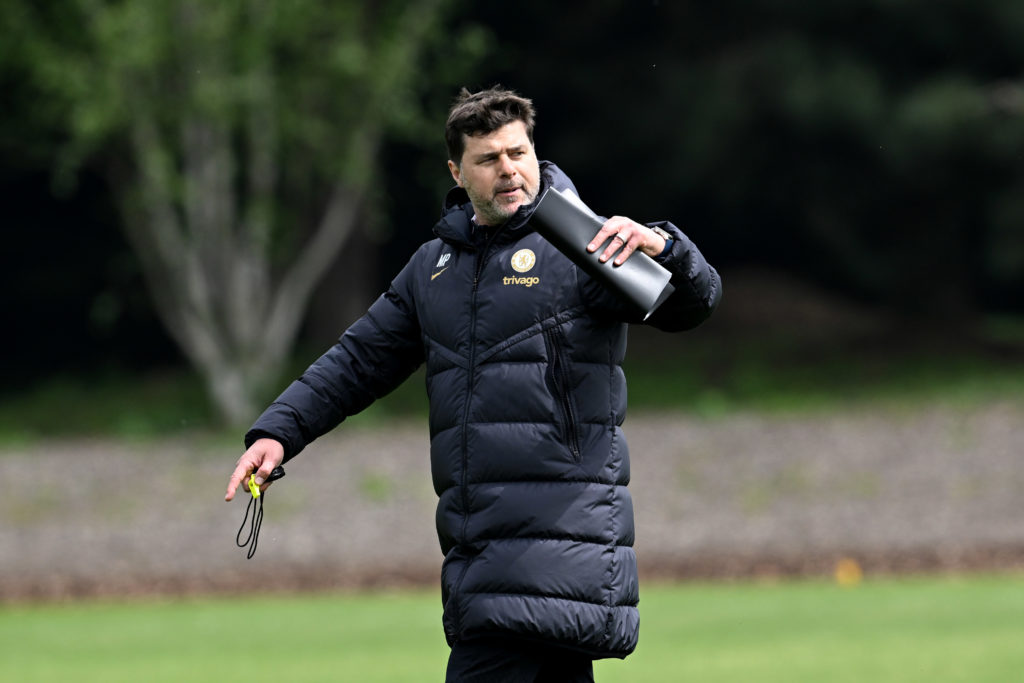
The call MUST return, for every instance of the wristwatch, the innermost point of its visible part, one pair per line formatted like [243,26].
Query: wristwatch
[665,235]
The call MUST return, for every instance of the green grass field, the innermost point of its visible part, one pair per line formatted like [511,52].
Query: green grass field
[911,629]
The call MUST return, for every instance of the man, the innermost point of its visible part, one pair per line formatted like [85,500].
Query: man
[523,353]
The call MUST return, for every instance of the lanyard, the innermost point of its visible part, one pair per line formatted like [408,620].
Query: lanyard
[252,540]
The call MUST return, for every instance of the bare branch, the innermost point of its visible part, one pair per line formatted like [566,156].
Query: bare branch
[212,98]
[297,285]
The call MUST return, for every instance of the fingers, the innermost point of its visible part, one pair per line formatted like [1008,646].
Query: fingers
[246,465]
[622,235]
[628,247]
[240,473]
[260,459]
[603,235]
[263,473]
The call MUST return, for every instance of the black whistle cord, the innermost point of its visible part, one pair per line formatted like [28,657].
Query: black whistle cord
[252,540]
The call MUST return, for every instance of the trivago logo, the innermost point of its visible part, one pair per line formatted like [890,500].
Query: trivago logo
[522,261]
[525,281]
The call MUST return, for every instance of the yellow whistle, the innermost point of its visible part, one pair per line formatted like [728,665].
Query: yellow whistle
[253,488]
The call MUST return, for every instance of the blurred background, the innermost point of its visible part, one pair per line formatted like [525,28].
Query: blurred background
[200,197]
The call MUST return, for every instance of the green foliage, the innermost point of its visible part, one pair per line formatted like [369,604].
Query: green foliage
[701,377]
[871,145]
[935,629]
[241,141]
[112,404]
[305,72]
[709,378]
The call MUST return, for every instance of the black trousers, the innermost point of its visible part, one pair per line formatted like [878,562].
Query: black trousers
[501,660]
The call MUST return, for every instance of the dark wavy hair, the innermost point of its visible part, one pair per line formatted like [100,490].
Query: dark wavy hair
[484,112]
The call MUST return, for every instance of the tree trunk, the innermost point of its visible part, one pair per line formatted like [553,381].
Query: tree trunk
[198,197]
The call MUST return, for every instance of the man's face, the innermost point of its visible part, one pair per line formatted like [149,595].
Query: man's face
[499,172]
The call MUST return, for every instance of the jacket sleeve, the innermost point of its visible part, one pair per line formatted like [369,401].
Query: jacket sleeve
[698,288]
[374,355]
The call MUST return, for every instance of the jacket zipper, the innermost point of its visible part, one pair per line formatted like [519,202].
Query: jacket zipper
[471,372]
[560,380]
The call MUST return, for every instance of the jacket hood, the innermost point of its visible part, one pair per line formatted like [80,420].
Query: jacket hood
[456,224]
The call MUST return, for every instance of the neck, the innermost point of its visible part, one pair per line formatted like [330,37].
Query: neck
[477,223]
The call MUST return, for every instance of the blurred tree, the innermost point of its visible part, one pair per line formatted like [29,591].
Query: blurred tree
[872,145]
[225,128]
[871,138]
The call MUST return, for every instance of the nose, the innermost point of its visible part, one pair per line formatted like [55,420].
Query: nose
[507,169]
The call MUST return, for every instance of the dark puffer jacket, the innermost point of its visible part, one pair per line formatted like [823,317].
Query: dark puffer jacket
[527,396]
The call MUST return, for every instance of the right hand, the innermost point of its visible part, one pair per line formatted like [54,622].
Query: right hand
[631,236]
[260,459]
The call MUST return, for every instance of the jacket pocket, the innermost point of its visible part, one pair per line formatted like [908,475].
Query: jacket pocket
[557,378]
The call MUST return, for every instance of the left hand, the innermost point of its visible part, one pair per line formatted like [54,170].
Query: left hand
[626,237]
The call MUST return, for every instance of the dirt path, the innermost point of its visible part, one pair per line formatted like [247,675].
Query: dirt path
[933,488]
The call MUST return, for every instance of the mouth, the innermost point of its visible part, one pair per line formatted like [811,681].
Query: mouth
[507,192]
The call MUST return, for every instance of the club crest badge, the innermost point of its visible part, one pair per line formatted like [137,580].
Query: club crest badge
[523,260]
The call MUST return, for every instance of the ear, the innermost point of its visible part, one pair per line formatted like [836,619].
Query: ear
[456,172]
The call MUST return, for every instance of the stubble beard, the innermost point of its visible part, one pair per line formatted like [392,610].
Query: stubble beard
[491,210]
